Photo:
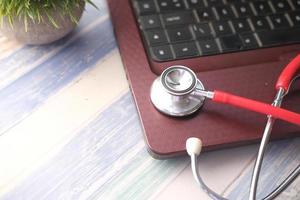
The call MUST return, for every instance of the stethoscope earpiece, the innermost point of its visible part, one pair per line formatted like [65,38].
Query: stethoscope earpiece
[193,146]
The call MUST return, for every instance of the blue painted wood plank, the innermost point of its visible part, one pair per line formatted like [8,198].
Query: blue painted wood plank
[23,57]
[109,151]
[281,158]
[24,95]
[107,159]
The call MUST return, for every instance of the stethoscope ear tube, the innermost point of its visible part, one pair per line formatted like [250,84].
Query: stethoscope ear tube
[256,106]
[288,73]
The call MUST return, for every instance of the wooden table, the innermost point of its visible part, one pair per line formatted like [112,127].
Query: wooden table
[69,129]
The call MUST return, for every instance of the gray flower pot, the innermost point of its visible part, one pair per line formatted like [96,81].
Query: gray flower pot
[44,32]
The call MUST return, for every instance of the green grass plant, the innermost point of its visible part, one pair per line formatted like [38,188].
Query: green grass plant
[38,10]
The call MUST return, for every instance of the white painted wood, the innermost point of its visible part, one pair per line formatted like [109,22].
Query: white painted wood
[219,169]
[53,124]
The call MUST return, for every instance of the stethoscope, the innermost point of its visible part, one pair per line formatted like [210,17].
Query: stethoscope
[178,92]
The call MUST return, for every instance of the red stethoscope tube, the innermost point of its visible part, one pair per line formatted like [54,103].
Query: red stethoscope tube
[288,73]
[283,82]
[256,106]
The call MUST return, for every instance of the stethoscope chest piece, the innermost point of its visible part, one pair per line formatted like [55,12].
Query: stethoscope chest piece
[172,93]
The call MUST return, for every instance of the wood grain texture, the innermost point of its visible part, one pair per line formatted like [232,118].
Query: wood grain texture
[106,160]
[281,158]
[7,46]
[39,82]
[33,141]
[22,59]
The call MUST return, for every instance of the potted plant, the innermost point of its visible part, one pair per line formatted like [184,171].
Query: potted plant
[39,21]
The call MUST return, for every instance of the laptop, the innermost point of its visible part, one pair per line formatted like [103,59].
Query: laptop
[239,46]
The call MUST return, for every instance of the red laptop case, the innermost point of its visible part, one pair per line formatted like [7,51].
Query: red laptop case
[249,74]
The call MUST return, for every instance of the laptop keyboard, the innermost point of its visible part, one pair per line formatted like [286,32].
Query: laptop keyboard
[178,29]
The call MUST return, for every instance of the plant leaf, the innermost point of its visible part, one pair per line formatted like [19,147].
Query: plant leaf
[35,10]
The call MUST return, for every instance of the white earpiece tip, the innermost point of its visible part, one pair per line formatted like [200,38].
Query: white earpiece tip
[193,146]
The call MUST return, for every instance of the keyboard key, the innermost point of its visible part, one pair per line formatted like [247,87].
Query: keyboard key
[249,41]
[262,7]
[201,30]
[243,9]
[296,3]
[279,37]
[231,43]
[279,21]
[170,5]
[149,21]
[212,3]
[222,28]
[209,47]
[225,12]
[295,17]
[196,3]
[233,1]
[161,53]
[155,37]
[170,27]
[145,7]
[281,5]
[185,50]
[205,15]
[260,23]
[241,25]
[178,18]
[179,34]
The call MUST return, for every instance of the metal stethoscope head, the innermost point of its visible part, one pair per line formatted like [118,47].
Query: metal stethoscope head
[174,92]
[178,92]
